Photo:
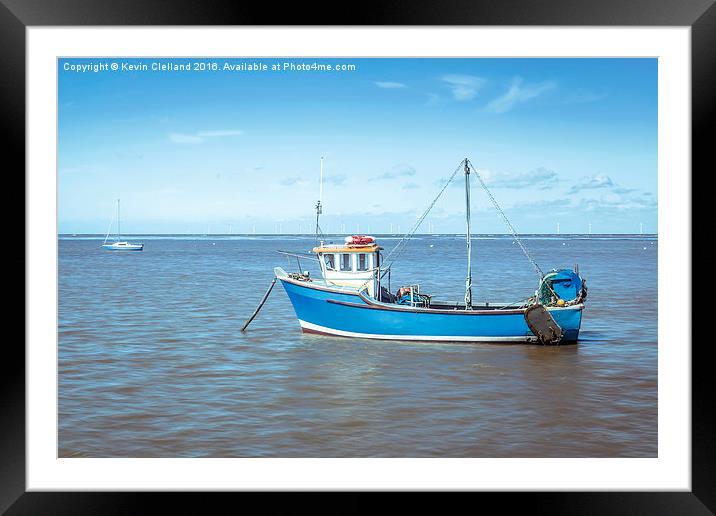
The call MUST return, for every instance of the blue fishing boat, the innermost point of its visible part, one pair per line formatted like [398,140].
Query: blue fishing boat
[351,298]
[119,244]
[324,308]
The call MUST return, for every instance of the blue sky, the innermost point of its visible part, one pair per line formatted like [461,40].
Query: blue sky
[568,141]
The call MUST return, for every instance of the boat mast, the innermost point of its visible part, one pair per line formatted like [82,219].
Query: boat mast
[108,231]
[119,231]
[319,208]
[468,280]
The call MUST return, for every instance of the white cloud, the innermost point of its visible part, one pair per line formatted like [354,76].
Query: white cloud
[335,180]
[296,181]
[186,138]
[463,87]
[211,134]
[396,171]
[518,94]
[592,183]
[389,85]
[538,177]
[606,204]
[613,201]
[292,181]
[553,205]
[201,136]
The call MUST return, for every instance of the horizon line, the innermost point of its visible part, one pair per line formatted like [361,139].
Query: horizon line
[350,234]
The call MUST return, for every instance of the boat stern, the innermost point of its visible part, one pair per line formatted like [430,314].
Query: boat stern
[569,318]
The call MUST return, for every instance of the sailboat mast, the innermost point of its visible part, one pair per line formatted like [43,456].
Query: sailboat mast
[119,230]
[468,280]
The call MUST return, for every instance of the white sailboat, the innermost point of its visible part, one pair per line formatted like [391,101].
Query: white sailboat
[119,244]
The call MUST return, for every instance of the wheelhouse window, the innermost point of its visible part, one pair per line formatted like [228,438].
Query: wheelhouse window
[346,262]
[330,261]
[362,262]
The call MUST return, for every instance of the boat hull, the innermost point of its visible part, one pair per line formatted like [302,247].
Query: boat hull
[352,314]
[128,247]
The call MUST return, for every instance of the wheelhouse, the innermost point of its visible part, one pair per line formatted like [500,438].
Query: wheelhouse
[354,263]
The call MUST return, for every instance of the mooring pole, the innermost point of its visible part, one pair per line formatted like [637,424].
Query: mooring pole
[263,300]
[468,280]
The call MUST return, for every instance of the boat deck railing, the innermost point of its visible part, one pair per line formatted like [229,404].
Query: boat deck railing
[281,273]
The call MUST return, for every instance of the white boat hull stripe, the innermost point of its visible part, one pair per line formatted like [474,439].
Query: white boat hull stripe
[322,329]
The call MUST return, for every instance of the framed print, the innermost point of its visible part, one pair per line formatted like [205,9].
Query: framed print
[483,280]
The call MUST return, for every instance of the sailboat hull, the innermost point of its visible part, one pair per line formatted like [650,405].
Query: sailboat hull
[122,246]
[350,313]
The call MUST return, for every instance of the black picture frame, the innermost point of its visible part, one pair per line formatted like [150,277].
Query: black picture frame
[16,15]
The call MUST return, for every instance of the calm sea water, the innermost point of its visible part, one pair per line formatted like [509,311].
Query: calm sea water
[152,362]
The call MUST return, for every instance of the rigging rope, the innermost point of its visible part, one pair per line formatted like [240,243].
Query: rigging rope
[401,245]
[507,221]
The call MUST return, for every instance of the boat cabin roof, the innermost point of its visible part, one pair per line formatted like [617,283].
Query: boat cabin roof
[342,248]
